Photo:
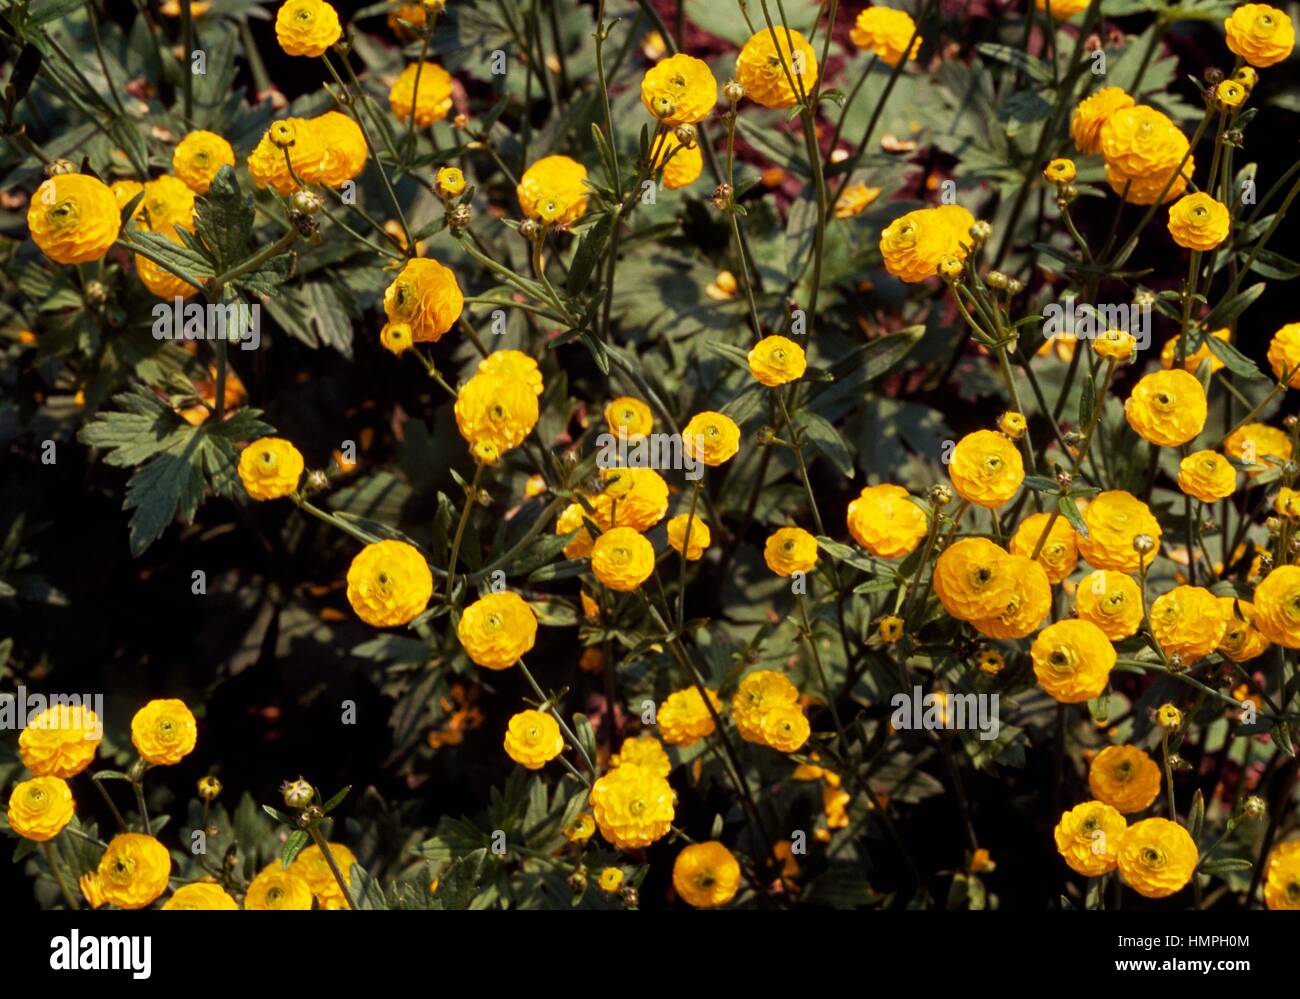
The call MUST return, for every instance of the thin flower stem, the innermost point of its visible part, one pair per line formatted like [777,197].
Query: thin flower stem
[471,501]
[548,705]
[56,869]
[324,848]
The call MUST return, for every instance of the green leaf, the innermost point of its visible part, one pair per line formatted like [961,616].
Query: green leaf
[335,800]
[293,846]
[1070,511]
[1229,309]
[590,252]
[224,220]
[843,553]
[586,736]
[819,432]
[459,884]
[1233,359]
[1196,817]
[1225,866]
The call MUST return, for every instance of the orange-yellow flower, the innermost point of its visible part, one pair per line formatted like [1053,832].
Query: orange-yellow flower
[1072,660]
[1125,778]
[777,67]
[73,218]
[706,875]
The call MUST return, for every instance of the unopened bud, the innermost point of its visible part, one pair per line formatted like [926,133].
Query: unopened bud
[209,788]
[939,494]
[1254,807]
[996,279]
[96,293]
[297,793]
[60,166]
[529,229]
[980,231]
[733,91]
[307,202]
[1144,544]
[685,134]
[459,218]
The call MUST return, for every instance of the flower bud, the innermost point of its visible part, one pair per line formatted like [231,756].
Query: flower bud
[96,293]
[282,134]
[60,166]
[1169,718]
[209,788]
[980,232]
[996,279]
[529,229]
[459,218]
[766,435]
[297,793]
[578,880]
[1247,77]
[685,134]
[1254,807]
[722,197]
[1213,76]
[663,106]
[1144,544]
[939,494]
[317,480]
[733,91]
[306,202]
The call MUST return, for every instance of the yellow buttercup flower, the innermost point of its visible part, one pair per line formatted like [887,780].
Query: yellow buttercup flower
[638,496]
[1192,360]
[1114,518]
[986,468]
[197,158]
[1282,881]
[73,218]
[914,244]
[1110,600]
[1072,660]
[1241,640]
[497,629]
[610,880]
[1142,148]
[433,100]
[885,522]
[343,150]
[1287,503]
[1277,606]
[277,888]
[1157,857]
[699,536]
[1284,354]
[1260,34]
[1060,552]
[389,583]
[513,364]
[790,550]
[643,751]
[123,192]
[164,732]
[1029,602]
[311,866]
[557,179]
[497,410]
[1061,10]
[681,165]
[161,282]
[39,808]
[990,661]
[714,437]
[580,829]
[684,718]
[1115,345]
[706,875]
[60,741]
[574,517]
[270,468]
[201,895]
[777,360]
[891,629]
[533,739]
[633,806]
[854,199]
[777,68]
[1125,778]
[267,164]
[1188,621]
[974,579]
[760,692]
[133,871]
[1258,445]
[628,417]
[622,559]
[886,32]
[1091,115]
[1088,838]
[307,27]
[785,728]
[679,90]
[1167,408]
[1198,222]
[450,182]
[396,337]
[1060,171]
[426,295]
[1230,93]
[1207,476]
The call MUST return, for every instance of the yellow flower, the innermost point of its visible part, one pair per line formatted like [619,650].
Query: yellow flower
[1125,778]
[1088,838]
[682,165]
[643,751]
[679,90]
[1060,171]
[201,895]
[1061,10]
[343,150]
[573,518]
[1230,93]
[91,890]
[1072,660]
[1169,717]
[633,806]
[389,583]
[497,410]
[1198,222]
[1188,621]
[311,866]
[73,218]
[1027,605]
[639,496]
[307,27]
[1284,354]
[1142,148]
[990,661]
[1207,476]
[723,287]
[854,199]
[914,244]
[433,100]
[1013,424]
[785,728]
[168,204]
[426,295]
[123,192]
[1115,345]
[622,559]
[580,829]
[1110,600]
[684,718]
[1246,76]
[396,337]
[1060,552]
[777,72]
[1091,115]
[1282,883]
[270,468]
[886,32]
[160,282]
[885,522]
[1114,518]
[699,537]
[891,629]
[759,693]
[1277,606]
[776,360]
[790,550]
[277,888]
[513,364]
[1167,408]
[714,437]
[1192,361]
[1255,443]
[133,871]
[706,875]
[450,182]
[986,468]
[39,808]
[974,579]
[197,158]
[1157,857]
[1241,641]
[164,732]
[497,629]
[1260,34]
[556,179]
[628,417]
[533,739]
[60,741]
[611,880]
[266,163]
